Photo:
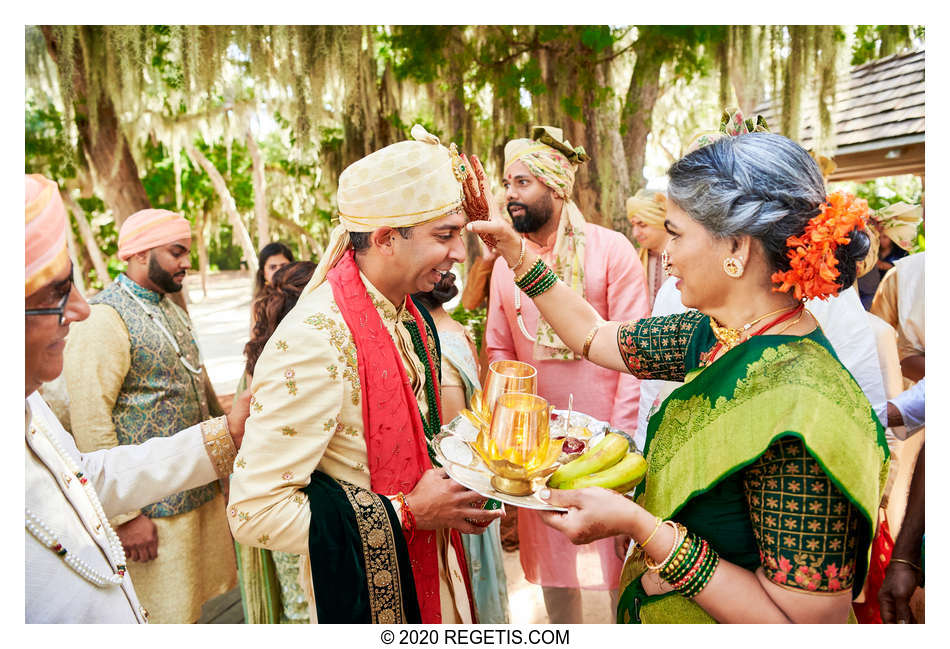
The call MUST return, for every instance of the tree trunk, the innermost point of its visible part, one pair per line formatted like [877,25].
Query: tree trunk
[227,202]
[260,191]
[88,239]
[637,114]
[744,73]
[201,221]
[792,92]
[73,249]
[455,94]
[613,176]
[296,228]
[119,180]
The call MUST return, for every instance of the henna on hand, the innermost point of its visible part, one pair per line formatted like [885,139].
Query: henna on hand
[475,196]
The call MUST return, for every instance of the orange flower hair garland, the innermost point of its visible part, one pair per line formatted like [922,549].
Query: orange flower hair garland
[814,267]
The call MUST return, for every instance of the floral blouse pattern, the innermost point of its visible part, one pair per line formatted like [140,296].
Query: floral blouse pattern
[805,528]
[656,348]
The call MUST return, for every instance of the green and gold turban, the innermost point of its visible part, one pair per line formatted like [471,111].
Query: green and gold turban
[549,157]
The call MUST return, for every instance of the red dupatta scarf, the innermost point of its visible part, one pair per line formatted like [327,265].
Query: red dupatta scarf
[395,437]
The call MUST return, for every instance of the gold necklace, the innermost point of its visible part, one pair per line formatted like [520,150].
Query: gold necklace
[731,337]
[793,322]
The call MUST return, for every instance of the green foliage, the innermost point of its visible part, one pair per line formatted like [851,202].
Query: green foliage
[198,194]
[474,320]
[877,41]
[47,149]
[305,88]
[417,51]
[888,190]
[885,191]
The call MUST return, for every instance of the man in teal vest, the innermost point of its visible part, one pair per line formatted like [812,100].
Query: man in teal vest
[133,372]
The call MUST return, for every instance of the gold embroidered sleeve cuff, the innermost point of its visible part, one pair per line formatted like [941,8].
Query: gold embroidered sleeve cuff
[219,445]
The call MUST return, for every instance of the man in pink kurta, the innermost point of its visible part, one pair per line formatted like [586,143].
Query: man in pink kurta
[538,180]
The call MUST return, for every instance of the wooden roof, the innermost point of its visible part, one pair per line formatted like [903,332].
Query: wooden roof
[880,105]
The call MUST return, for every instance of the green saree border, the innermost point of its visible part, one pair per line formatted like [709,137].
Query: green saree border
[795,388]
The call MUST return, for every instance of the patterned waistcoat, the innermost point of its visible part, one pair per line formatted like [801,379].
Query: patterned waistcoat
[159,396]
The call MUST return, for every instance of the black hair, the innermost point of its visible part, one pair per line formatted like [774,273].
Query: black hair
[444,290]
[762,185]
[268,251]
[360,240]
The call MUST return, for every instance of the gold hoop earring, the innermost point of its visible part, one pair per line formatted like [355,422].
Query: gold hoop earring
[733,267]
[665,260]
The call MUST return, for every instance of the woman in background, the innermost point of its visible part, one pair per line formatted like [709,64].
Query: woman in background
[646,212]
[272,258]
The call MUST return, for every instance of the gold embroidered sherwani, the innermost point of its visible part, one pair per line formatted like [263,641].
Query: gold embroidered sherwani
[307,414]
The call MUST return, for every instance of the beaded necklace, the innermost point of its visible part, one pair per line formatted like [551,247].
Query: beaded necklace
[38,528]
[161,327]
[431,424]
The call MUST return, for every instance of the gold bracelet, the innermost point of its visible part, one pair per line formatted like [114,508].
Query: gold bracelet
[905,561]
[679,533]
[520,256]
[589,340]
[642,546]
[520,277]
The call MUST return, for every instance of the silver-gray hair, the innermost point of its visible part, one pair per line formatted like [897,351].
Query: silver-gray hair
[758,184]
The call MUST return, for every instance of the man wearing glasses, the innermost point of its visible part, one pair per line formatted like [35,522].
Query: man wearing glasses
[76,567]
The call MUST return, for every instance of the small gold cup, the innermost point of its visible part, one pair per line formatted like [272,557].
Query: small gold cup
[504,377]
[518,445]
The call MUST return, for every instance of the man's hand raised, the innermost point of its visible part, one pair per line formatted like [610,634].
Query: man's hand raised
[438,501]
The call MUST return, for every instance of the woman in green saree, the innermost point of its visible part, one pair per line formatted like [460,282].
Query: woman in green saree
[766,468]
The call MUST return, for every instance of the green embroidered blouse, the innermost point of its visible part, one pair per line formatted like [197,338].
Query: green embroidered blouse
[745,455]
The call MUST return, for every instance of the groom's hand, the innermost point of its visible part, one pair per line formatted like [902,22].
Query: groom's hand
[437,501]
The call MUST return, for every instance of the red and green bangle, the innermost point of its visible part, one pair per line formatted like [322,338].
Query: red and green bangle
[542,284]
[694,568]
[533,273]
[537,280]
[703,577]
[683,562]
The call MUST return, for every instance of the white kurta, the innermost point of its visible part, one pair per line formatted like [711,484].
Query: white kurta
[125,478]
[307,414]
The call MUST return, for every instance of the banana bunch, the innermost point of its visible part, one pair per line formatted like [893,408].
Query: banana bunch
[608,464]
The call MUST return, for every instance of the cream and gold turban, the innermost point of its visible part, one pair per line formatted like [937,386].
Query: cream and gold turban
[899,222]
[549,157]
[46,223]
[401,185]
[151,228]
[649,209]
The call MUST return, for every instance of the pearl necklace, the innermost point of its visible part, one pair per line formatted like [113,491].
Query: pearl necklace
[44,535]
[161,327]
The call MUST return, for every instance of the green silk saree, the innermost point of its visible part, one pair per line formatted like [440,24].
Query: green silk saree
[767,396]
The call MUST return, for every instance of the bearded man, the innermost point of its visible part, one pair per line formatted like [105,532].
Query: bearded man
[76,565]
[602,266]
[336,465]
[134,372]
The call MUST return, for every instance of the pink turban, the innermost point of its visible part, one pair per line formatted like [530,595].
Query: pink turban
[147,229]
[46,222]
